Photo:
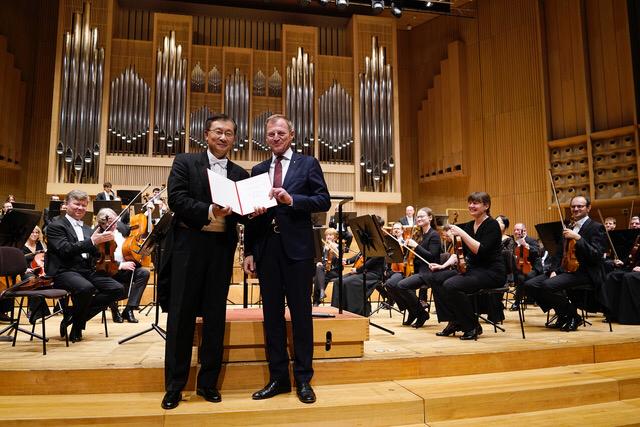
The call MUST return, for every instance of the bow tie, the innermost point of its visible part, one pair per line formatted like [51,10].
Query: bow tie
[79,223]
[220,162]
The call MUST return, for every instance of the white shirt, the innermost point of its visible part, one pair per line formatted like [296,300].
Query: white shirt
[285,164]
[409,220]
[119,239]
[77,227]
[578,225]
[215,223]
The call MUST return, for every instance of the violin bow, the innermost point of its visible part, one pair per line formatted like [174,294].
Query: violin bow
[127,207]
[615,254]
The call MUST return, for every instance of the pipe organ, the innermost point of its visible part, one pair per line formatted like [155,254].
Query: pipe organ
[158,93]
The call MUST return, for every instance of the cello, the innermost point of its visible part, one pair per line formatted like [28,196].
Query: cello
[141,227]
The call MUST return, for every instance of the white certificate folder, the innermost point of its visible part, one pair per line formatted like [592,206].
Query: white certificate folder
[243,195]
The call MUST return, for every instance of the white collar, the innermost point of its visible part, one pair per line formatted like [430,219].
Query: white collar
[286,155]
[74,221]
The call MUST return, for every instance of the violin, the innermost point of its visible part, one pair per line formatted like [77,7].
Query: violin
[458,250]
[106,262]
[37,264]
[522,260]
[633,254]
[569,262]
[409,266]
[359,262]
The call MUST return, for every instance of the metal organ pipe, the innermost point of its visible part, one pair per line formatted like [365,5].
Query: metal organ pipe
[128,113]
[299,101]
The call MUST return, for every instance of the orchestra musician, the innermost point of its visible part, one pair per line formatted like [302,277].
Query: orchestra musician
[71,261]
[34,249]
[408,218]
[590,243]
[620,294]
[199,262]
[279,245]
[347,235]
[610,223]
[634,223]
[427,245]
[107,194]
[327,269]
[529,247]
[485,268]
[133,286]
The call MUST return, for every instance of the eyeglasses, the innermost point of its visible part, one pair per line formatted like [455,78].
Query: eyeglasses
[578,206]
[272,135]
[220,132]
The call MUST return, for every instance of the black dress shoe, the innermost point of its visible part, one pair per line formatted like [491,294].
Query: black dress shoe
[559,323]
[422,317]
[210,394]
[127,314]
[450,329]
[572,324]
[75,335]
[115,314]
[171,399]
[411,317]
[470,335]
[305,393]
[273,388]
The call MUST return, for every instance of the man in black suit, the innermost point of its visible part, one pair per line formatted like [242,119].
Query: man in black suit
[280,244]
[408,219]
[201,262]
[590,243]
[524,241]
[107,194]
[71,260]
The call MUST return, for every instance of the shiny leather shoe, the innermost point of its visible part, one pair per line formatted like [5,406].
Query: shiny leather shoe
[305,393]
[273,388]
[450,329]
[75,335]
[470,335]
[559,323]
[572,324]
[210,394]
[171,399]
[422,317]
[115,314]
[127,314]
[411,317]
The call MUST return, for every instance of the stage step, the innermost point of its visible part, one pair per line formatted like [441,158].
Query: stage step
[371,404]
[507,393]
[620,413]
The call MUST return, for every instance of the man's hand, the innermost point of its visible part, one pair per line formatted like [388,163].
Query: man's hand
[435,267]
[257,210]
[101,237]
[220,211]
[553,274]
[281,195]
[411,243]
[570,234]
[127,265]
[249,265]
[618,263]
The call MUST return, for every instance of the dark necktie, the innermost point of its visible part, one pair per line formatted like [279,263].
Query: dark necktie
[277,173]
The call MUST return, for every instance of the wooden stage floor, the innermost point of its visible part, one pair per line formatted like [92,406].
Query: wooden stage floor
[410,353]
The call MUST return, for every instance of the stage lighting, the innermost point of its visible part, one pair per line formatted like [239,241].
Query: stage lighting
[377,6]
[342,4]
[396,8]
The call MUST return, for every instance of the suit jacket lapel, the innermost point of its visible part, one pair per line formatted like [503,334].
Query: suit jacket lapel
[293,168]
[70,229]
[202,165]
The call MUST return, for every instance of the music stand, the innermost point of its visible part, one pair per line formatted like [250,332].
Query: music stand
[126,196]
[394,255]
[369,239]
[17,225]
[54,209]
[623,241]
[550,234]
[149,246]
[21,205]
[319,219]
[114,205]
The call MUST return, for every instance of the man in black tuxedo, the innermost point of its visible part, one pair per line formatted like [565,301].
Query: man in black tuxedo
[201,262]
[408,219]
[590,243]
[279,245]
[71,261]
[107,194]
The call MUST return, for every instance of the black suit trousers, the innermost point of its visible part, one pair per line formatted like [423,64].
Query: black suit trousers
[281,277]
[90,293]
[200,275]
[548,291]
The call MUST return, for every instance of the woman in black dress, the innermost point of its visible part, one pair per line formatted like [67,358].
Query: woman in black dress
[481,241]
[403,289]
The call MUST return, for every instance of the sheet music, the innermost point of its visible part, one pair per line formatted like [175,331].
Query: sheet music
[243,195]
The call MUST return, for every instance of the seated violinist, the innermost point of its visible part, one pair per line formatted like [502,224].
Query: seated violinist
[584,243]
[426,244]
[353,300]
[527,258]
[132,275]
[71,261]
[34,249]
[328,269]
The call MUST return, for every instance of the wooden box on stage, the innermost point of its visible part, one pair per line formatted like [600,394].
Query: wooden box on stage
[339,336]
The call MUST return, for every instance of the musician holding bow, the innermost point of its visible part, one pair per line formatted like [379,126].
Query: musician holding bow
[327,269]
[71,261]
[589,239]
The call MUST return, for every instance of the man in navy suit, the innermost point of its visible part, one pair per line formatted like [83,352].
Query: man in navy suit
[71,260]
[200,262]
[279,246]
